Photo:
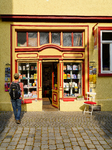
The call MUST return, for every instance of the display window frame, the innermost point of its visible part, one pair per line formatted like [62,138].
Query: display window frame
[36,78]
[82,79]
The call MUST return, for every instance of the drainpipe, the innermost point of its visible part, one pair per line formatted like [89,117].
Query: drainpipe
[93,28]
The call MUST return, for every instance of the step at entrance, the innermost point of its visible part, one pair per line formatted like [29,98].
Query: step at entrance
[47,106]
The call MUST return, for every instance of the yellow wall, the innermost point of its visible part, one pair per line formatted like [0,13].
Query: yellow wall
[4,57]
[103,84]
[57,7]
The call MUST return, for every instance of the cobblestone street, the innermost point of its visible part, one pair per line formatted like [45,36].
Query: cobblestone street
[56,130]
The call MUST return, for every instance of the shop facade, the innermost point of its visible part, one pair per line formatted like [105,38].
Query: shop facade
[50,61]
[60,57]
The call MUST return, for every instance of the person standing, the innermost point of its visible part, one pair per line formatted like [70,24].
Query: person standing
[16,97]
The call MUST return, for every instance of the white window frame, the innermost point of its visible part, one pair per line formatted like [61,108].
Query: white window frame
[110,48]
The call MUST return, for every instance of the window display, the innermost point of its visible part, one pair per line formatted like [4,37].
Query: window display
[72,79]
[28,76]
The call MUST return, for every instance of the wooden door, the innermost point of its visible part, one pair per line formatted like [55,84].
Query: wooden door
[55,85]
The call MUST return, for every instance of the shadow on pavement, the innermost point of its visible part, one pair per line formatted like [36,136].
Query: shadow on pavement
[104,121]
[7,118]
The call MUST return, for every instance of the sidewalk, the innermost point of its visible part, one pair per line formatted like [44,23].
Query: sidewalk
[56,130]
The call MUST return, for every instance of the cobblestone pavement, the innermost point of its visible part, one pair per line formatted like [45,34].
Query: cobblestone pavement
[56,130]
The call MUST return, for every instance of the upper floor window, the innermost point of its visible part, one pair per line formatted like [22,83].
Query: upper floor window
[67,39]
[72,39]
[106,51]
[21,39]
[55,38]
[35,39]
[44,38]
[77,39]
[32,39]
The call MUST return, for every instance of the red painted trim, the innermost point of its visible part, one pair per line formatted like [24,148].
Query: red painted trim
[60,75]
[52,79]
[38,78]
[55,102]
[54,106]
[16,66]
[40,99]
[20,49]
[68,99]
[82,38]
[27,101]
[26,53]
[16,39]
[93,28]
[50,56]
[88,56]
[60,38]
[27,39]
[37,39]
[52,26]
[40,74]
[83,78]
[99,52]
[104,75]
[11,50]
[72,39]
[33,18]
[62,82]
[50,39]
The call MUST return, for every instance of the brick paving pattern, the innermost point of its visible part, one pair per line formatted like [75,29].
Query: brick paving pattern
[56,130]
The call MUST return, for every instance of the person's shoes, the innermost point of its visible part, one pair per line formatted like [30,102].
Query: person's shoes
[18,121]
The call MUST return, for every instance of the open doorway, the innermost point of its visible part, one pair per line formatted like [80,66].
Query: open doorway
[47,85]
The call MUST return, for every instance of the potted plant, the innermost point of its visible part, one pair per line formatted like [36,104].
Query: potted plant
[80,97]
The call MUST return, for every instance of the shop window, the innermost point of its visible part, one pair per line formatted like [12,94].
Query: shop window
[106,52]
[72,79]
[44,38]
[28,76]
[77,39]
[67,39]
[21,39]
[55,38]
[32,39]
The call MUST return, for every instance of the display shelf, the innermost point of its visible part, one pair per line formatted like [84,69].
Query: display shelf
[29,79]
[72,79]
[30,87]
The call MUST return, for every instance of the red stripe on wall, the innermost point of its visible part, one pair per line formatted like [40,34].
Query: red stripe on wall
[60,75]
[88,57]
[16,66]
[40,74]
[58,18]
[38,79]
[11,49]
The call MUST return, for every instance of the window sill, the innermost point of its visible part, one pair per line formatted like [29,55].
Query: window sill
[105,75]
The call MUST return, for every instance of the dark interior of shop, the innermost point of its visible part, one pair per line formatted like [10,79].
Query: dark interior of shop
[47,80]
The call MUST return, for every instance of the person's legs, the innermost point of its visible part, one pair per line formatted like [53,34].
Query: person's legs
[18,109]
[14,105]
